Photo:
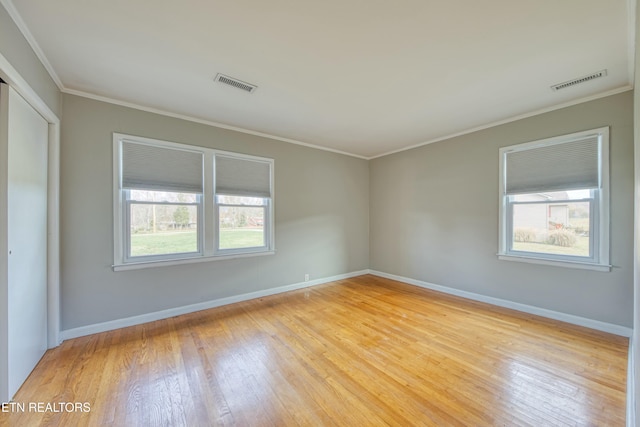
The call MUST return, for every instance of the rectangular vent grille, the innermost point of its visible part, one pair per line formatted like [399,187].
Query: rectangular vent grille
[247,87]
[579,80]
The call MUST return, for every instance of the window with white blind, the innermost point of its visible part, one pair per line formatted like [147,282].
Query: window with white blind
[242,204]
[554,205]
[176,203]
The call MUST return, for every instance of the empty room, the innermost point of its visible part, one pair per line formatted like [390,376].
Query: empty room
[319,213]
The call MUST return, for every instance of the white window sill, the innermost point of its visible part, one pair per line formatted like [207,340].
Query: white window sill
[168,262]
[558,263]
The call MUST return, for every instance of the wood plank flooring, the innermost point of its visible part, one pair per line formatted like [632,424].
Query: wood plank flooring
[365,351]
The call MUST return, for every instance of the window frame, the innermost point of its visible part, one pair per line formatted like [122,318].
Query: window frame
[231,251]
[598,258]
[127,202]
[593,225]
[268,222]
[208,232]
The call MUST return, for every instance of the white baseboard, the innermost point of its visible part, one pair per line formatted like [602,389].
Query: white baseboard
[569,318]
[631,385]
[171,312]
[164,314]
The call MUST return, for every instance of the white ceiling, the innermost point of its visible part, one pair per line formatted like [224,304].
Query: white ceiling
[365,77]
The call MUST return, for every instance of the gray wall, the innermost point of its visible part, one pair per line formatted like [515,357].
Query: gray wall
[321,218]
[635,339]
[434,212]
[434,216]
[15,48]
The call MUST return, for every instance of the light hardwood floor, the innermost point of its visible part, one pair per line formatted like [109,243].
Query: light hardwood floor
[365,351]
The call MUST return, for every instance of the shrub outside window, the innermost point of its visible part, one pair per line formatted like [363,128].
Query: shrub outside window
[555,200]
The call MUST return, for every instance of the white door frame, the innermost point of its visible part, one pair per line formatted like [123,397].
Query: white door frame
[11,76]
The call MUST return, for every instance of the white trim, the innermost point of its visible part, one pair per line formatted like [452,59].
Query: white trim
[53,242]
[164,314]
[192,260]
[207,250]
[604,203]
[563,317]
[557,140]
[11,76]
[631,391]
[622,89]
[203,121]
[599,235]
[554,262]
[17,19]
[633,370]
[127,104]
[116,190]
[8,5]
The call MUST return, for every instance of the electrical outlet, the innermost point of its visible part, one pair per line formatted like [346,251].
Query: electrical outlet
[306,277]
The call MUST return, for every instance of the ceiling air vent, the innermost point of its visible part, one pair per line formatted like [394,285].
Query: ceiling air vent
[247,87]
[579,80]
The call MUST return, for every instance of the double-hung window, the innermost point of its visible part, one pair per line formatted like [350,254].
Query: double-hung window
[242,204]
[554,206]
[176,203]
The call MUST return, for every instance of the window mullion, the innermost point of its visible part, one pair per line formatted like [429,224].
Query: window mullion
[209,219]
[509,223]
[169,239]
[126,231]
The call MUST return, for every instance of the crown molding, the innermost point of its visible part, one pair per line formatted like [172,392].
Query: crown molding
[631,8]
[13,13]
[203,121]
[616,91]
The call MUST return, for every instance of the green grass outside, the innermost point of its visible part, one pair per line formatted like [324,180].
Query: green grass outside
[241,238]
[187,241]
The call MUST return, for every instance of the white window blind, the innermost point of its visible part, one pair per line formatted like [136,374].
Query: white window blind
[242,177]
[148,167]
[565,166]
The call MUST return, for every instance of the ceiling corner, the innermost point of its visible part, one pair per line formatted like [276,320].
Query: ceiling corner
[13,13]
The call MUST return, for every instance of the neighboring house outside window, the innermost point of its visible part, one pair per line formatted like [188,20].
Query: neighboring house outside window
[176,203]
[554,203]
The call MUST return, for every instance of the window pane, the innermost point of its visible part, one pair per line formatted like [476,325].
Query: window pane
[163,229]
[554,195]
[559,228]
[241,227]
[240,200]
[162,196]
